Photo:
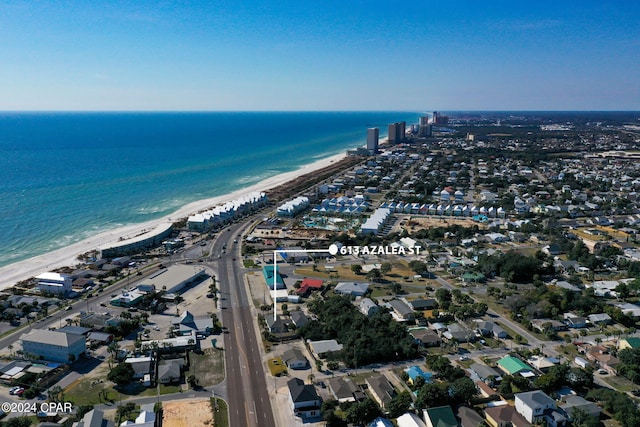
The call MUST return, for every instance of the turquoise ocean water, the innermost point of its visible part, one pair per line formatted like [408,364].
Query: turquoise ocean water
[67,176]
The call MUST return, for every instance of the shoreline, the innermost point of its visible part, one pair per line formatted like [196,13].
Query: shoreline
[67,256]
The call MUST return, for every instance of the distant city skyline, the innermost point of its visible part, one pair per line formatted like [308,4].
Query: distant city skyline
[314,56]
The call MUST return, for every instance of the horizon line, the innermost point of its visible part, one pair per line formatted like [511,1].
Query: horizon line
[327,111]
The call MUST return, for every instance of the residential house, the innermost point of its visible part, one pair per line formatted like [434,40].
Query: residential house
[323,347]
[344,389]
[572,403]
[368,307]
[94,418]
[422,304]
[536,406]
[486,373]
[169,371]
[491,329]
[512,366]
[504,416]
[568,286]
[441,416]
[485,390]
[601,356]
[457,332]
[309,285]
[277,325]
[299,319]
[469,417]
[425,337]
[599,319]
[188,323]
[543,324]
[400,310]
[631,342]
[351,288]
[380,422]
[294,359]
[381,389]
[146,418]
[576,322]
[416,372]
[141,365]
[409,420]
[54,346]
[632,310]
[543,364]
[552,249]
[305,401]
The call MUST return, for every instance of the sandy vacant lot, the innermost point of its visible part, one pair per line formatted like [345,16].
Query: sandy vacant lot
[187,413]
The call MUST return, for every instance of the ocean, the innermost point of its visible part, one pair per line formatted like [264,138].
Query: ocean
[67,176]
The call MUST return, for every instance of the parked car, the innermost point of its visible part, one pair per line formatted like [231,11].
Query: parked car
[19,392]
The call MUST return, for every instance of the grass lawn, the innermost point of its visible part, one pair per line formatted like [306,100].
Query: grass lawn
[220,413]
[277,367]
[208,367]
[618,383]
[89,391]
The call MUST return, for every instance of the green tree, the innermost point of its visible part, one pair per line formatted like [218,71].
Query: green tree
[374,275]
[363,412]
[462,390]
[385,268]
[356,268]
[121,374]
[444,298]
[433,394]
[399,404]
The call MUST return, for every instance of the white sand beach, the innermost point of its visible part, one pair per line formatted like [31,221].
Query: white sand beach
[67,256]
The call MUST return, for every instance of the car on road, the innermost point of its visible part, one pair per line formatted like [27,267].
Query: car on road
[602,372]
[203,243]
[103,304]
[67,308]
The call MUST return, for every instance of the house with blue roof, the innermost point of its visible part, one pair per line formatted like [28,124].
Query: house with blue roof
[415,371]
[268,272]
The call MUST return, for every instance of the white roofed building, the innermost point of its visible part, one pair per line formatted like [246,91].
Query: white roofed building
[293,207]
[54,283]
[376,221]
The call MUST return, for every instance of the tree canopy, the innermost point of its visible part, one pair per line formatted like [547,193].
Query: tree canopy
[365,339]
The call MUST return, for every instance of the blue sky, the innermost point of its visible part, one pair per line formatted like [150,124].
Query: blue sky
[319,55]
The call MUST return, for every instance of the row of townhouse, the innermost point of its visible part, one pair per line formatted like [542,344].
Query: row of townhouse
[444,210]
[227,212]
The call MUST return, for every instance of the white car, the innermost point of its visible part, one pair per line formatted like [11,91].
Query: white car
[13,390]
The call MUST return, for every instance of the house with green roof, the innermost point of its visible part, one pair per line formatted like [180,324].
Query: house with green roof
[512,366]
[442,416]
[631,342]
[268,271]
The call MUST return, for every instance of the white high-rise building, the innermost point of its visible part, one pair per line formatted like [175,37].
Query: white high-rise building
[373,136]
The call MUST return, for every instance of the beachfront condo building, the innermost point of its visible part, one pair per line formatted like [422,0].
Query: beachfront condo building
[54,283]
[425,128]
[373,136]
[397,132]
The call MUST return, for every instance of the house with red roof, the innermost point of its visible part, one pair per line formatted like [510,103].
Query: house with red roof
[309,285]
